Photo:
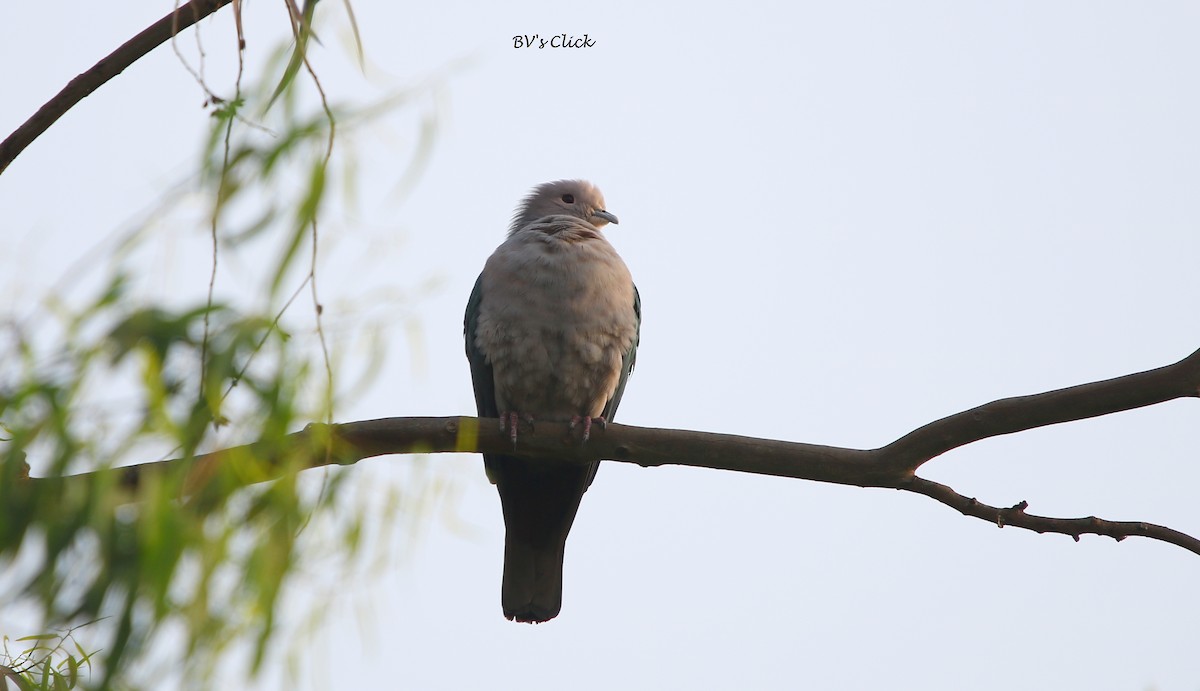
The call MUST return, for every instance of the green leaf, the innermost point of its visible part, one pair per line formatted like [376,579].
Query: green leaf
[303,32]
[306,214]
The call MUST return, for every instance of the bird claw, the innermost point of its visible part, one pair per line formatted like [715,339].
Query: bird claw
[510,421]
[587,421]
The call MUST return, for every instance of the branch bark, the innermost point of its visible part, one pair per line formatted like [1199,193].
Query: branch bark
[893,466]
[83,85]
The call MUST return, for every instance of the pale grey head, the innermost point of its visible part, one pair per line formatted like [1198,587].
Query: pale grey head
[578,198]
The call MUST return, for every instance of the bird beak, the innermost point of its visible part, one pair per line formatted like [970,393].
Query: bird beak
[601,213]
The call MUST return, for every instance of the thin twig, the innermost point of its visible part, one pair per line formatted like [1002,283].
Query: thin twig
[1016,517]
[212,277]
[262,341]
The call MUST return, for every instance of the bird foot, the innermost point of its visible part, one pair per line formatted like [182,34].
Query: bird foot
[510,421]
[587,421]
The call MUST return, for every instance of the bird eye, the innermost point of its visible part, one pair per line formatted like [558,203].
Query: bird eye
[569,198]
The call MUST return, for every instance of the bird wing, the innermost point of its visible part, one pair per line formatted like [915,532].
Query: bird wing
[627,363]
[481,370]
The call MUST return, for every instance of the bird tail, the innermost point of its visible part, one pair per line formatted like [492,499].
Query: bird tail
[540,500]
[532,587]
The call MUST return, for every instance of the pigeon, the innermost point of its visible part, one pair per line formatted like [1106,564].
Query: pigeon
[551,333]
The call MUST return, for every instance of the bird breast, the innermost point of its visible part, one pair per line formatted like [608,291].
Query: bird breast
[556,319]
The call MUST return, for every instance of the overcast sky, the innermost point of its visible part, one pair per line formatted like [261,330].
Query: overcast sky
[845,219]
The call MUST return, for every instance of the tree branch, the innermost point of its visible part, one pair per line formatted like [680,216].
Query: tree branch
[1008,415]
[83,85]
[892,466]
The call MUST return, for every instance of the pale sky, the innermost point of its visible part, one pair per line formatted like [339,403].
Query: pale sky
[845,220]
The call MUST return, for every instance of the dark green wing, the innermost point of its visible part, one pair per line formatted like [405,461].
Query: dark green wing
[481,369]
[481,375]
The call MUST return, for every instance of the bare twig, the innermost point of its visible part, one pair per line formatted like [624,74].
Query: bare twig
[80,87]
[1016,516]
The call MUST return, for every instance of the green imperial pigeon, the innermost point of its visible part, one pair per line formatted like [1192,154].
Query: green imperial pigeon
[551,332]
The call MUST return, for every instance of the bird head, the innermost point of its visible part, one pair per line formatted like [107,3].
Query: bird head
[578,198]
